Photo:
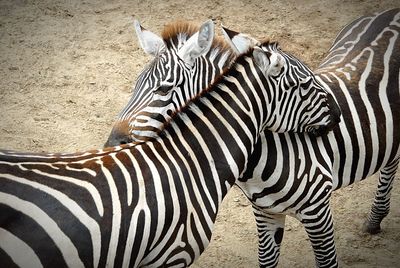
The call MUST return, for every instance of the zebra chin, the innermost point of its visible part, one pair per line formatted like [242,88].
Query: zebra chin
[122,133]
[118,139]
[320,130]
[333,119]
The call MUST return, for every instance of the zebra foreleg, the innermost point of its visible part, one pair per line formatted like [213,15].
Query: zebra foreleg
[319,227]
[380,207]
[270,229]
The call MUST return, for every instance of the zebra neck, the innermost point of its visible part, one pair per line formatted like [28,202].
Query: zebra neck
[221,125]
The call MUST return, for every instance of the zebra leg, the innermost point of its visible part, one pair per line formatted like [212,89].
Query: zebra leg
[380,207]
[270,229]
[319,227]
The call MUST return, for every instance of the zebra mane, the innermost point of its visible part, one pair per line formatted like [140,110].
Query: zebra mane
[173,33]
[267,42]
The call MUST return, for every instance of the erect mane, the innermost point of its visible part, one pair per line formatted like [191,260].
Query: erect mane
[174,30]
[268,42]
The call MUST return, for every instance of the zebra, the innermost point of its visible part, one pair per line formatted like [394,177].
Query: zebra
[153,203]
[363,58]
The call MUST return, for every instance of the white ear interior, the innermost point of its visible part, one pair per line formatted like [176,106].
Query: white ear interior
[198,44]
[150,42]
[261,59]
[276,65]
[271,63]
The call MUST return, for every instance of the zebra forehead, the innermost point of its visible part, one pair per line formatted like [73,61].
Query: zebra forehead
[172,30]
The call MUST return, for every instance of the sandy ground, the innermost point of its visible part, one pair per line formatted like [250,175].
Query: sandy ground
[67,69]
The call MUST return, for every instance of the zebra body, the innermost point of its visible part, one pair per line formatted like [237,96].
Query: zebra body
[294,174]
[361,71]
[149,205]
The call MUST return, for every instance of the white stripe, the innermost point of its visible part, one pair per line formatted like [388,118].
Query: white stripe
[345,133]
[116,214]
[331,137]
[127,177]
[139,207]
[21,253]
[88,171]
[178,241]
[251,85]
[156,179]
[236,100]
[62,241]
[195,161]
[383,94]
[370,113]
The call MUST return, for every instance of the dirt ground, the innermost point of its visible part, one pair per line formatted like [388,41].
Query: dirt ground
[67,69]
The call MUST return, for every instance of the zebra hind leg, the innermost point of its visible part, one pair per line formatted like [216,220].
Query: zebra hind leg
[270,229]
[380,207]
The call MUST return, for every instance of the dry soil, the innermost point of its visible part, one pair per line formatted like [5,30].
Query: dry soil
[67,69]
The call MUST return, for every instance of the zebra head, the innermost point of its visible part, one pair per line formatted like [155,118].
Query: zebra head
[303,104]
[186,60]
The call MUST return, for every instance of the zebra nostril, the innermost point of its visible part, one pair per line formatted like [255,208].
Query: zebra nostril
[122,142]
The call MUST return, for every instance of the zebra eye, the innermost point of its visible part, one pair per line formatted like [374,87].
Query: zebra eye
[306,84]
[163,90]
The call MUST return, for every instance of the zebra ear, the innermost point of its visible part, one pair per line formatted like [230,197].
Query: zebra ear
[269,63]
[240,43]
[150,42]
[261,59]
[198,44]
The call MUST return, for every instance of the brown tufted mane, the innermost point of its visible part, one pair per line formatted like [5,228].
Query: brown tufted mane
[171,31]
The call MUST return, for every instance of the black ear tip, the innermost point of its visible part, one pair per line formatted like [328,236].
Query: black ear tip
[230,33]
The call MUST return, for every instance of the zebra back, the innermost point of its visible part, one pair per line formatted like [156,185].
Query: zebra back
[362,72]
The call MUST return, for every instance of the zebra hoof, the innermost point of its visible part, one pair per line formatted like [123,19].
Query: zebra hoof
[371,228]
